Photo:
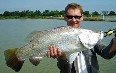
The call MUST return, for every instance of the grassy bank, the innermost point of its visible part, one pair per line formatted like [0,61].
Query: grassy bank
[93,19]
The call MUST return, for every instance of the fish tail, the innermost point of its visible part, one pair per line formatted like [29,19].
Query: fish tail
[12,61]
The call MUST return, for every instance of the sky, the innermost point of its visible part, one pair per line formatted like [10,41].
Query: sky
[88,5]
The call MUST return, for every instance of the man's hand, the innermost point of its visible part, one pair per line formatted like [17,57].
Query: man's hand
[54,52]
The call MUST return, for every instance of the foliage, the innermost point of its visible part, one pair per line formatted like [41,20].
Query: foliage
[112,13]
[104,12]
[47,14]
[95,13]
[86,13]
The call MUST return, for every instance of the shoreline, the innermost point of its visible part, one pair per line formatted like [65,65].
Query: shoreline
[59,18]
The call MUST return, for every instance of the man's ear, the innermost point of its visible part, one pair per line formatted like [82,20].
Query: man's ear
[81,18]
[65,17]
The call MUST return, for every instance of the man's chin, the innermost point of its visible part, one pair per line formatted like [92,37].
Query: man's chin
[76,25]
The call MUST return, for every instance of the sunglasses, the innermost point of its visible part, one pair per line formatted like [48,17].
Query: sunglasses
[76,17]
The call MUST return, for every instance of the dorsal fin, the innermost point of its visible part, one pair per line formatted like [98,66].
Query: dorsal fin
[33,35]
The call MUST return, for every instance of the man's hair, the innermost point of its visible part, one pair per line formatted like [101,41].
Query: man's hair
[73,6]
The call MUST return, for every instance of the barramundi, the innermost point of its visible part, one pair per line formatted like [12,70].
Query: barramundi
[69,39]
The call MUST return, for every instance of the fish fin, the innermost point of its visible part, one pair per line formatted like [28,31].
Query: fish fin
[12,61]
[35,60]
[72,57]
[33,35]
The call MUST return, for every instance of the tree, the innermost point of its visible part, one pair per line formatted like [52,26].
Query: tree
[86,13]
[61,12]
[22,13]
[95,13]
[37,12]
[112,13]
[14,13]
[0,14]
[6,13]
[46,13]
[104,12]
[56,13]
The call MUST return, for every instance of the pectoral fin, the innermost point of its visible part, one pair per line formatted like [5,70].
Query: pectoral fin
[35,60]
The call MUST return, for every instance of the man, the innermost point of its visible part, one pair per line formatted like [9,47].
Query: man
[73,16]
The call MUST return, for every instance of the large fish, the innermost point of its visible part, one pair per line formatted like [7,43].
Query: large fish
[69,39]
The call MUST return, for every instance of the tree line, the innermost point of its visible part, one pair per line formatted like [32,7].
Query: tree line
[55,13]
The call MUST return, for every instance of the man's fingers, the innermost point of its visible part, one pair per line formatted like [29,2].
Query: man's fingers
[58,51]
[48,54]
[54,51]
[51,51]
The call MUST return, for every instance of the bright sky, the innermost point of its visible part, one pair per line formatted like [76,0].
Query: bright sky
[88,5]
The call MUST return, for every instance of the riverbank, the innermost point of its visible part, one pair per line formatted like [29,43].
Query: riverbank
[97,19]
[50,17]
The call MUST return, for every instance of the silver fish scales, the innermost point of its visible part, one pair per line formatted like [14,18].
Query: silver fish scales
[68,39]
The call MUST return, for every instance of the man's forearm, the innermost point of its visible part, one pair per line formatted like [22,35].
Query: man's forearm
[113,47]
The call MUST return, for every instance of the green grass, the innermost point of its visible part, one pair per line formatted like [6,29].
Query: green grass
[49,66]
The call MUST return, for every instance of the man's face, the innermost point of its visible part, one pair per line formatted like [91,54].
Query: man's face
[73,18]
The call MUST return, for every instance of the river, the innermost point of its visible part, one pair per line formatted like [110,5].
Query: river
[13,33]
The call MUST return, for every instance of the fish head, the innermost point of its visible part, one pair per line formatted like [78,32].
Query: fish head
[90,38]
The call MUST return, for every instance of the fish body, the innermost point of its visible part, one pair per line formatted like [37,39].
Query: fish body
[70,40]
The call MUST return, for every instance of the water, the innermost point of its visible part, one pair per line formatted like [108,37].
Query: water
[13,33]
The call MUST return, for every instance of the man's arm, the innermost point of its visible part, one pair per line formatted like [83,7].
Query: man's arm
[113,47]
[106,52]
